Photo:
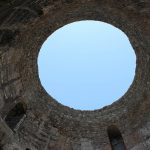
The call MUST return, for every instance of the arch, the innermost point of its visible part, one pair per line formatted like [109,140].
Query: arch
[115,138]
[15,115]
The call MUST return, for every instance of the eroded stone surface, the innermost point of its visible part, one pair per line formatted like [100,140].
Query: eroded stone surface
[24,26]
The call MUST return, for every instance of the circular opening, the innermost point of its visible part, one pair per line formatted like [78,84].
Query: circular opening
[87,64]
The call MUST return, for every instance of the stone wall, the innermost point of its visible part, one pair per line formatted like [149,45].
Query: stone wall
[48,125]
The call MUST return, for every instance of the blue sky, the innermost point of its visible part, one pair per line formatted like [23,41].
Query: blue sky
[87,65]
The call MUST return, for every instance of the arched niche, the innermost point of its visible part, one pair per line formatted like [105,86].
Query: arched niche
[16,115]
[115,138]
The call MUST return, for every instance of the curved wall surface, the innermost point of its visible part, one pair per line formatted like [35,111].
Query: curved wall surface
[32,120]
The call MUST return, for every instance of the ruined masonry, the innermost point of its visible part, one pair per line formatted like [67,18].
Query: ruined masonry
[30,119]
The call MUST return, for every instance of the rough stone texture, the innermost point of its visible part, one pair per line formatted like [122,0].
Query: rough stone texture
[47,125]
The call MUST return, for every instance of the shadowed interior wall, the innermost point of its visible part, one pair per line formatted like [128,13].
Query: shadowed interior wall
[115,137]
[15,115]
[48,125]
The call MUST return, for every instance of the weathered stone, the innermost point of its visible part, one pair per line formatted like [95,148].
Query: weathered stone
[7,36]
[45,124]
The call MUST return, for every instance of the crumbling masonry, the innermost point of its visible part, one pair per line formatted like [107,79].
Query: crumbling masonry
[30,119]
